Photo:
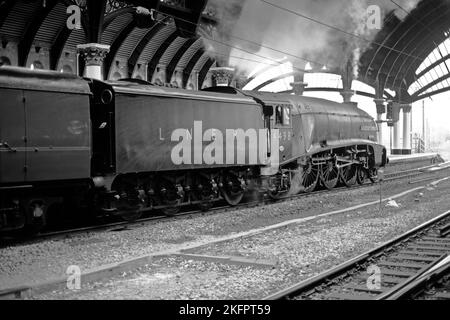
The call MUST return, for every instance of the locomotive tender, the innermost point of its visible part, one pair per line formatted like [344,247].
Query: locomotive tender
[128,146]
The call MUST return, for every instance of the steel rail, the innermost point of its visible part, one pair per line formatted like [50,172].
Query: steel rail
[330,276]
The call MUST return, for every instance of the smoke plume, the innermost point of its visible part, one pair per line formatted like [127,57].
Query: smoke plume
[252,33]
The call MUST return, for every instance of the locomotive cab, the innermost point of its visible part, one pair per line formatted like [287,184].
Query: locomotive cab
[283,122]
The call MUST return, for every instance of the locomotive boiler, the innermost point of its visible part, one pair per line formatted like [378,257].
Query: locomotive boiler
[125,147]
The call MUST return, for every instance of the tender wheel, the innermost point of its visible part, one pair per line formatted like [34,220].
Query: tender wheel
[361,175]
[38,214]
[233,199]
[349,175]
[205,206]
[310,177]
[129,201]
[172,210]
[205,192]
[330,175]
[131,215]
[130,205]
[172,197]
[232,189]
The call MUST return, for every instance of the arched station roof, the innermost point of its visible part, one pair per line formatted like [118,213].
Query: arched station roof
[402,47]
[161,40]
[150,33]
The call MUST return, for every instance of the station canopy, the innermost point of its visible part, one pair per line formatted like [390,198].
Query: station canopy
[166,42]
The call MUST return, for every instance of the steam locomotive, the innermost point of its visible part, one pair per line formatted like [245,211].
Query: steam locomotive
[126,147]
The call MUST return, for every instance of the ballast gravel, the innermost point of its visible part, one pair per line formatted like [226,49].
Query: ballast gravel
[298,253]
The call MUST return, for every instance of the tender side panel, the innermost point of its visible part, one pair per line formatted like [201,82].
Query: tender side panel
[12,133]
[145,124]
[58,133]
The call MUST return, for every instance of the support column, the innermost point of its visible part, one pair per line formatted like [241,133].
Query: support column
[93,54]
[381,109]
[299,85]
[194,79]
[347,95]
[396,147]
[223,76]
[406,128]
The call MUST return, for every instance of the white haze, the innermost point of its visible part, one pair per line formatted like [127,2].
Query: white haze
[266,26]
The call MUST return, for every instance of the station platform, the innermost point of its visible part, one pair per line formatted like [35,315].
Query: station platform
[416,157]
[413,161]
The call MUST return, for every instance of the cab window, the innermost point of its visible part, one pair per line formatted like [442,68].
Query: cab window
[279,115]
[283,115]
[286,116]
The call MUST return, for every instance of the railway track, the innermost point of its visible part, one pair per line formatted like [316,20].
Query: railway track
[122,225]
[391,271]
[23,291]
[433,285]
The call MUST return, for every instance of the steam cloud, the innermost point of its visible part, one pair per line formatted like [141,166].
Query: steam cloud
[268,27]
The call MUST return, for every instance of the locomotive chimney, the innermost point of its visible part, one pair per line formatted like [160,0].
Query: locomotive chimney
[353,104]
[299,85]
